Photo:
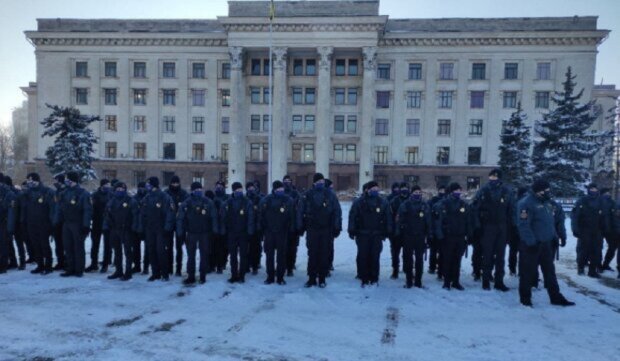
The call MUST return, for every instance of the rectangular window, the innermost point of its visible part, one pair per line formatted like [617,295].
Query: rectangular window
[138,177]
[443,127]
[139,97]
[110,69]
[542,100]
[339,153]
[225,125]
[339,124]
[310,95]
[110,149]
[81,96]
[413,127]
[139,150]
[224,152]
[475,127]
[167,177]
[339,96]
[266,67]
[198,97]
[477,100]
[198,70]
[351,154]
[308,153]
[297,124]
[169,123]
[139,124]
[473,183]
[225,70]
[510,99]
[81,69]
[473,155]
[381,154]
[298,67]
[298,96]
[478,71]
[198,177]
[265,152]
[341,67]
[352,96]
[296,152]
[383,71]
[198,125]
[381,127]
[415,71]
[255,67]
[446,71]
[169,97]
[254,152]
[110,123]
[414,99]
[511,71]
[383,99]
[352,124]
[266,96]
[311,67]
[225,97]
[139,69]
[198,151]
[445,99]
[443,155]
[255,123]
[412,155]
[265,122]
[255,95]
[543,71]
[110,96]
[309,124]
[353,67]
[169,151]
[169,70]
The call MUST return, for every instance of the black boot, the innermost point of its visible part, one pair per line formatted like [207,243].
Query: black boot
[322,283]
[500,286]
[580,271]
[593,274]
[527,302]
[289,273]
[457,286]
[59,267]
[190,280]
[104,269]
[67,274]
[92,268]
[126,277]
[232,279]
[268,281]
[153,278]
[115,275]
[446,286]
[203,279]
[37,270]
[281,281]
[394,273]
[560,300]
[486,285]
[311,282]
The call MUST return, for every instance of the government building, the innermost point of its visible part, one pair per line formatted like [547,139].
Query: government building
[356,95]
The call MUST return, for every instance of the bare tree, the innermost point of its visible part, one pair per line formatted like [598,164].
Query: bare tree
[6,149]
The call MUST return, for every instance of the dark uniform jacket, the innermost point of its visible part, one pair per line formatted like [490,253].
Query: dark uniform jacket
[122,214]
[319,209]
[277,214]
[100,201]
[494,204]
[454,219]
[8,207]
[197,215]
[75,206]
[238,216]
[588,214]
[38,208]
[370,216]
[413,219]
[156,211]
[178,197]
[536,220]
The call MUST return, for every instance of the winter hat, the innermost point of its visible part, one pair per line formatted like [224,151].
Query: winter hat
[317,177]
[395,185]
[113,182]
[153,181]
[415,188]
[540,185]
[73,177]
[592,185]
[220,183]
[328,183]
[120,185]
[453,187]
[277,184]
[442,186]
[372,184]
[7,180]
[209,194]
[603,191]
[286,177]
[496,172]
[521,191]
[195,185]
[175,179]
[142,185]
[103,182]
[236,186]
[250,184]
[60,178]
[365,187]
[35,177]
[404,185]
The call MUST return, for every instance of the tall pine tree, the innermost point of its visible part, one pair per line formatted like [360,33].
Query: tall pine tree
[73,141]
[514,150]
[561,153]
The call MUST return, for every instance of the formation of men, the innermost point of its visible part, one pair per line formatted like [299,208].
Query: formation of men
[238,227]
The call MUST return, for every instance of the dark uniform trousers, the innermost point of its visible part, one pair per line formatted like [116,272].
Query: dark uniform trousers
[318,252]
[255,249]
[589,247]
[452,250]
[434,262]
[476,254]
[39,235]
[175,244]
[21,250]
[291,253]
[529,259]
[198,241]
[60,248]
[513,250]
[493,243]
[238,249]
[5,242]
[96,235]
[413,244]
[75,255]
[138,237]
[122,242]
[156,246]
[276,241]
[369,249]
[396,245]
[612,247]
[219,252]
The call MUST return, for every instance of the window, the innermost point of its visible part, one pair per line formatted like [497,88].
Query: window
[81,69]
[139,97]
[351,154]
[510,99]
[225,125]
[255,95]
[445,99]
[338,152]
[341,67]
[478,71]
[255,151]
[443,127]
[311,67]
[225,70]
[473,183]
[255,67]
[381,127]
[542,100]
[169,70]
[224,152]
[198,151]
[169,151]
[109,173]
[309,124]
[296,152]
[110,149]
[446,71]
[352,96]
[383,99]
[443,155]
[543,71]
[353,67]
[198,97]
[170,97]
[110,123]
[255,123]
[110,96]
[266,95]
[383,71]
[139,150]
[414,99]
[352,124]
[413,127]
[81,96]
[310,95]
[169,124]
[475,127]
[473,155]
[308,153]
[298,67]
[198,70]
[297,96]
[266,67]
[381,154]
[109,69]
[266,123]
[138,176]
[339,124]
[511,71]
[477,100]
[345,153]
[198,125]
[415,71]
[411,154]
[339,96]
[225,97]
[166,177]
[198,177]
[297,124]
[265,152]
[139,124]
[139,69]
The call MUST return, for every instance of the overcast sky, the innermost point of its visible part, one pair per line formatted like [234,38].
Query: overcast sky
[17,61]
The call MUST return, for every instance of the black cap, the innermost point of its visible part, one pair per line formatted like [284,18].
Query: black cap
[540,185]
[603,191]
[119,184]
[7,180]
[142,185]
[209,194]
[220,183]
[195,185]
[34,176]
[286,177]
[521,192]
[236,186]
[317,177]
[60,178]
[404,185]
[73,177]
[103,182]
[365,187]
[442,186]
[416,188]
[372,184]
[328,183]
[277,184]
[153,181]
[113,182]
[249,184]
[395,185]
[175,179]
[453,187]
[592,185]
[496,172]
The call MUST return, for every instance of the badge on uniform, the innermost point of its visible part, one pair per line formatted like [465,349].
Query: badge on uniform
[324,204]
[421,214]
[204,212]
[462,210]
[378,210]
[40,200]
[197,209]
[600,212]
[523,214]
[281,209]
[501,200]
[255,207]
[158,205]
[73,201]
[124,205]
[241,212]
[179,204]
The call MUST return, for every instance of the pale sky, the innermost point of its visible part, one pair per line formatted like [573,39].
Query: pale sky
[17,61]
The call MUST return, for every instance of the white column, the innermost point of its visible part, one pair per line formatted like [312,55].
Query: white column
[236,148]
[323,129]
[368,106]
[279,123]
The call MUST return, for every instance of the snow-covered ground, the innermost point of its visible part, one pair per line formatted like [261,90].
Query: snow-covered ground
[50,318]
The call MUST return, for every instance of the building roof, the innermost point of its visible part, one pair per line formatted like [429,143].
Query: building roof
[334,8]
[129,26]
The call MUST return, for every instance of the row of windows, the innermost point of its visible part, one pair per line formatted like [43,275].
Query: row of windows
[168,124]
[445,99]
[169,151]
[413,127]
[169,97]
[474,155]
[168,69]
[140,176]
[478,71]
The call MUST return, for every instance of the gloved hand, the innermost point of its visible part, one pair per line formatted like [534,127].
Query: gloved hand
[563,242]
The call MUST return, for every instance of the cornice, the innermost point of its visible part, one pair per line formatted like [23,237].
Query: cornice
[141,41]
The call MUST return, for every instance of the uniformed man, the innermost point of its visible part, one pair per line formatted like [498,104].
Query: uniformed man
[396,240]
[276,220]
[219,247]
[317,215]
[75,211]
[139,237]
[238,224]
[38,215]
[434,259]
[21,230]
[15,235]
[513,235]
[59,185]
[588,223]
[256,239]
[121,219]
[293,237]
[7,223]
[370,222]
[176,240]
[536,232]
[198,221]
[336,232]
[100,199]
[610,235]
[395,192]
[494,206]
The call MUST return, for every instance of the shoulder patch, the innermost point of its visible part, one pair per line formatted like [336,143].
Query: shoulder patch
[523,214]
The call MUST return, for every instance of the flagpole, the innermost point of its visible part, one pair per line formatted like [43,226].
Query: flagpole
[270,139]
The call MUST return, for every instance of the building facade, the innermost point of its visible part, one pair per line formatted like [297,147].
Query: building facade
[356,95]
